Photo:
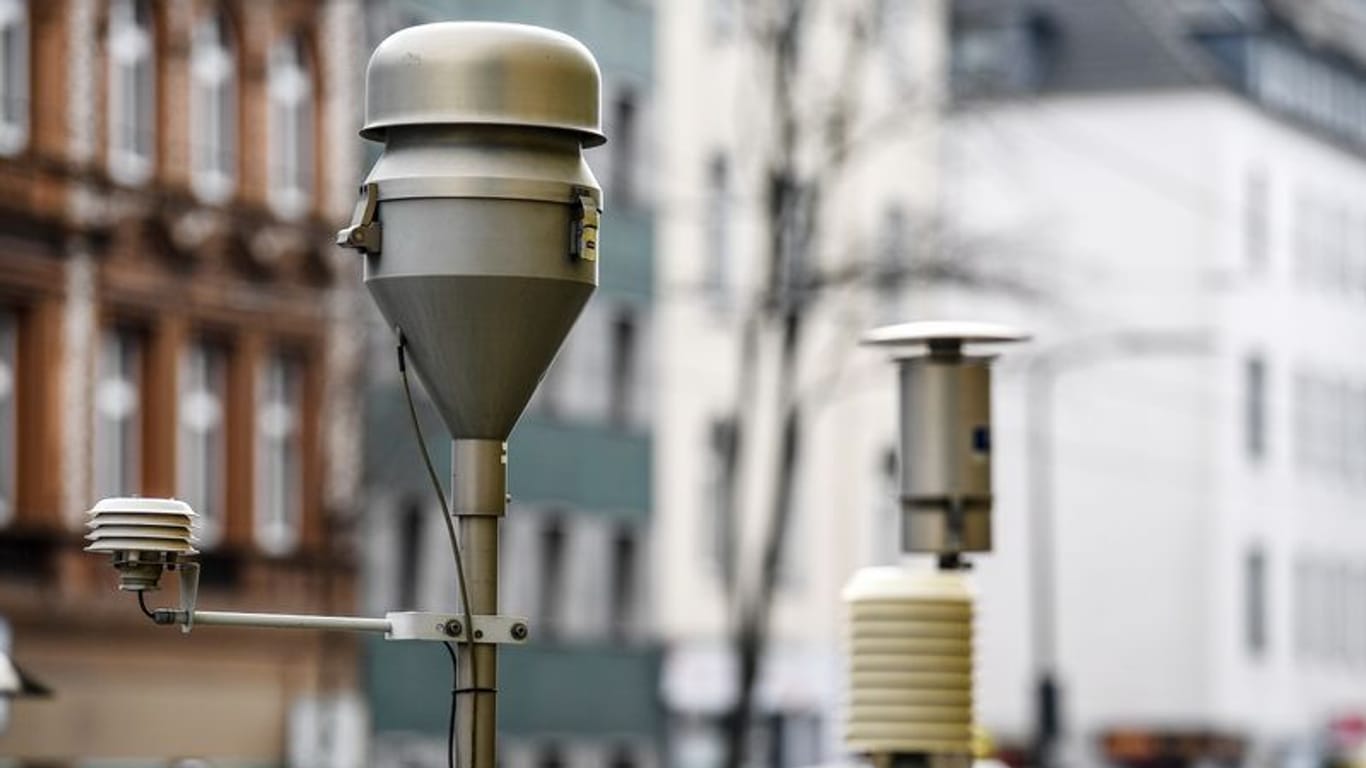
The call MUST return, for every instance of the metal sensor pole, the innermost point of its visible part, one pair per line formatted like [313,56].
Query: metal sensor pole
[478,225]
[479,487]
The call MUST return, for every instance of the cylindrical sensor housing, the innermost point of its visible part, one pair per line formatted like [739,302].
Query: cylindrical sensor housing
[945,454]
[945,433]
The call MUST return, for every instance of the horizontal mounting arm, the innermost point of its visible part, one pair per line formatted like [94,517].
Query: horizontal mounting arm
[270,620]
[405,625]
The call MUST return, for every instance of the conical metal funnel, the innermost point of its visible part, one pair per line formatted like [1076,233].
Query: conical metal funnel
[480,339]
[479,221]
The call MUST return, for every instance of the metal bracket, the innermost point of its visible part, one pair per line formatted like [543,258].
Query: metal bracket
[189,594]
[364,234]
[419,625]
[583,242]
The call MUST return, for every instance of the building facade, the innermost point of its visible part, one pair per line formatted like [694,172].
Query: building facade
[576,541]
[858,99]
[175,322]
[1186,450]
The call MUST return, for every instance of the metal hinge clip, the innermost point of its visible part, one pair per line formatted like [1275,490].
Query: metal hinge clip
[583,244]
[364,234]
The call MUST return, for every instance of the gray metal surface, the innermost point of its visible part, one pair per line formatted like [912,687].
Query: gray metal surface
[484,289]
[481,466]
[479,267]
[483,73]
[289,621]
[946,454]
[450,627]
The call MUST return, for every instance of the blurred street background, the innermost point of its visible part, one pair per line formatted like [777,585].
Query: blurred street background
[1170,195]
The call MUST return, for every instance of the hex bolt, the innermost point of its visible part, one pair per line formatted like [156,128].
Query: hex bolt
[519,631]
[453,628]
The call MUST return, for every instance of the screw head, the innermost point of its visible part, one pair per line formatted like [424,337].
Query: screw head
[453,628]
[519,631]
[478,634]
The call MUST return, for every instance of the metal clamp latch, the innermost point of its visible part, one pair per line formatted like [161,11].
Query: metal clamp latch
[364,232]
[583,243]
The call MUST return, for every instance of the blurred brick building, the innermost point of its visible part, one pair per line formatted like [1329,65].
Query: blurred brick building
[175,321]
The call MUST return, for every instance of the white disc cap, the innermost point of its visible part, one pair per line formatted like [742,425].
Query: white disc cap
[926,331]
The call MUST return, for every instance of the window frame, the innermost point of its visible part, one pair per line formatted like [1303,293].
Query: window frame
[214,514]
[625,146]
[720,184]
[1256,605]
[291,90]
[130,52]
[623,367]
[624,582]
[552,558]
[135,439]
[11,319]
[1256,388]
[14,133]
[214,82]
[283,534]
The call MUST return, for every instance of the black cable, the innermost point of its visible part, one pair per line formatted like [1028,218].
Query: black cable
[450,726]
[142,603]
[455,549]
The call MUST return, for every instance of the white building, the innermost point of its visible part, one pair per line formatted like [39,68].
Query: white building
[1174,172]
[1170,195]
[718,127]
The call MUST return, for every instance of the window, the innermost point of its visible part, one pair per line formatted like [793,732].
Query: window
[14,75]
[213,109]
[1254,581]
[992,54]
[409,552]
[552,562]
[1336,258]
[718,224]
[291,127]
[890,271]
[722,453]
[1337,610]
[201,462]
[9,386]
[623,148]
[118,412]
[132,91]
[1255,221]
[886,528]
[279,459]
[625,575]
[1358,280]
[1353,419]
[1357,620]
[622,386]
[1306,241]
[1254,394]
[1303,616]
[792,200]
[1318,611]
[1304,413]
